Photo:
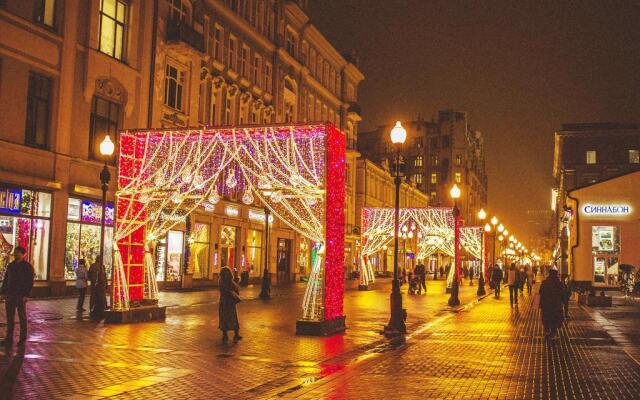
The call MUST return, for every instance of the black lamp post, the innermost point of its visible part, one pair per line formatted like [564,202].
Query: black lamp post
[455,285]
[265,291]
[99,304]
[396,325]
[481,292]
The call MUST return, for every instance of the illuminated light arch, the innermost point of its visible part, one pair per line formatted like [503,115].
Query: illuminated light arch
[164,175]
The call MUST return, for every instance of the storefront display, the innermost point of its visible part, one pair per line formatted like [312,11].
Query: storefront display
[254,252]
[25,221]
[200,248]
[228,246]
[605,245]
[83,235]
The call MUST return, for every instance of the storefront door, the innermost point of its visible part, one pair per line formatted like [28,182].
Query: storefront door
[228,247]
[175,255]
[284,260]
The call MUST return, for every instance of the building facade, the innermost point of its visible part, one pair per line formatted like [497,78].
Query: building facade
[585,154]
[438,154]
[73,72]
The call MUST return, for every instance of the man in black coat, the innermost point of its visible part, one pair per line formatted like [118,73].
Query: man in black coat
[16,286]
[421,272]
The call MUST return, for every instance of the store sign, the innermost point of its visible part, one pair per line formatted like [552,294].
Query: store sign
[232,211]
[606,209]
[10,200]
[258,216]
[92,212]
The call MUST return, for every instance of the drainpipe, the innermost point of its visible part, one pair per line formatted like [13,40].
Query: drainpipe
[152,67]
[577,216]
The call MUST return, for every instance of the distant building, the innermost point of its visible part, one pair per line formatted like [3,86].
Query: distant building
[585,154]
[437,154]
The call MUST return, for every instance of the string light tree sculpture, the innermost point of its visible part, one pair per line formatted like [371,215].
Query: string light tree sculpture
[482,215]
[396,325]
[455,195]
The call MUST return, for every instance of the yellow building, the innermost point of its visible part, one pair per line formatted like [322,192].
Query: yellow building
[71,72]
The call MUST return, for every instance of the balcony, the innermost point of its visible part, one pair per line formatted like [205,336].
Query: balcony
[355,108]
[179,32]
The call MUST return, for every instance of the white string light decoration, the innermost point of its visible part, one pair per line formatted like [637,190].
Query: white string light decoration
[176,172]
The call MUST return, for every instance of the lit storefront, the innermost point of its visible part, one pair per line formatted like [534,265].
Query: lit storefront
[25,220]
[604,231]
[83,235]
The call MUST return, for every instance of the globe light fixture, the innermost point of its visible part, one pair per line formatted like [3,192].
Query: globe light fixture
[398,134]
[506,233]
[487,227]
[107,147]
[500,228]
[482,214]
[455,192]
[494,221]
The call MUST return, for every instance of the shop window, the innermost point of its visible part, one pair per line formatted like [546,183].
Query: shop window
[200,249]
[634,157]
[38,109]
[174,82]
[228,246]
[170,256]
[105,118]
[253,255]
[45,12]
[591,157]
[83,235]
[25,221]
[113,17]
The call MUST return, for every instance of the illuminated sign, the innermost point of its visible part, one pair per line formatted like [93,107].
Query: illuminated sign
[606,209]
[10,200]
[232,211]
[258,216]
[92,212]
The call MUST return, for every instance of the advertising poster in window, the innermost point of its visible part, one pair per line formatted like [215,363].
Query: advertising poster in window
[604,239]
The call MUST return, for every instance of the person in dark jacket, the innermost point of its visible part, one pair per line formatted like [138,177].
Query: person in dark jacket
[496,278]
[421,272]
[551,303]
[16,287]
[227,313]
[98,297]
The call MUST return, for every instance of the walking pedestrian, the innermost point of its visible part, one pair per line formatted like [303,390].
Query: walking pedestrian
[551,302]
[421,272]
[98,296]
[496,280]
[227,312]
[529,275]
[522,279]
[16,286]
[82,275]
[512,282]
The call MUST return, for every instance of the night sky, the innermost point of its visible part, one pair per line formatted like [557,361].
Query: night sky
[520,69]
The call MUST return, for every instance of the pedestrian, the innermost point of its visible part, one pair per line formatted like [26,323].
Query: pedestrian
[522,279]
[98,296]
[16,286]
[441,271]
[512,282]
[566,287]
[551,303]
[529,275]
[82,275]
[227,312]
[421,273]
[496,280]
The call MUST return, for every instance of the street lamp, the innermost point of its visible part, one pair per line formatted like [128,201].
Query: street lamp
[487,228]
[455,195]
[396,325]
[265,290]
[99,304]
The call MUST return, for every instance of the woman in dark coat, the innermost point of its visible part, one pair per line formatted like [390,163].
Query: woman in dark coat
[551,302]
[229,297]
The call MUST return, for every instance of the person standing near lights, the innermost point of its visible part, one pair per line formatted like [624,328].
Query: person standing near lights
[16,286]
[81,283]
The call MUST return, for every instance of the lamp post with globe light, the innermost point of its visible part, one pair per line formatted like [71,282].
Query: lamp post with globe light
[396,325]
[481,292]
[99,304]
[455,195]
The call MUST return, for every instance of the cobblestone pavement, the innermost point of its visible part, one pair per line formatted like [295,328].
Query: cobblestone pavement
[69,357]
[493,351]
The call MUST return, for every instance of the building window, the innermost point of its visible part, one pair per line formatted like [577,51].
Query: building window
[174,81]
[446,142]
[418,178]
[244,61]
[434,161]
[113,16]
[591,157]
[458,160]
[434,195]
[267,77]
[458,177]
[204,97]
[419,143]
[231,58]
[290,42]
[634,157]
[216,50]
[227,112]
[434,143]
[82,240]
[179,10]
[255,69]
[105,117]
[45,12]
[434,178]
[417,162]
[38,109]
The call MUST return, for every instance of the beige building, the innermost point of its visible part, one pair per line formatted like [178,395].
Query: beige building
[73,71]
[375,188]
